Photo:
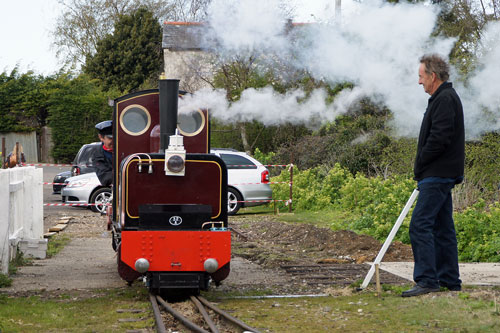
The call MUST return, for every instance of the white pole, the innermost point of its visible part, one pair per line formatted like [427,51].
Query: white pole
[389,239]
[338,12]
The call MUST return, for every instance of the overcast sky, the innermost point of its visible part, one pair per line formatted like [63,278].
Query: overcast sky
[25,35]
[25,27]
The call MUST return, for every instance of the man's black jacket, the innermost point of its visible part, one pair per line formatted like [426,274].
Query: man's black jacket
[104,165]
[441,142]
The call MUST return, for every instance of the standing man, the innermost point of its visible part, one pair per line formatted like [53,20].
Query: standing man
[103,155]
[439,165]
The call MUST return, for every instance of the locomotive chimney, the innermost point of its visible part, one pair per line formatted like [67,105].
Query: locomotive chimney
[169,96]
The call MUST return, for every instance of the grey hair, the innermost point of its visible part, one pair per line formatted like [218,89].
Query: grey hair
[434,63]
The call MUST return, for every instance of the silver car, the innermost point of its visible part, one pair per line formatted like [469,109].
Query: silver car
[248,180]
[86,189]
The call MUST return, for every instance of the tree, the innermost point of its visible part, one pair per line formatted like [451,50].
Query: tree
[83,23]
[76,105]
[131,56]
[465,19]
[23,101]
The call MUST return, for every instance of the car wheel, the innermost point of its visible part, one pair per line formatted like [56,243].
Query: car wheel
[100,199]
[233,201]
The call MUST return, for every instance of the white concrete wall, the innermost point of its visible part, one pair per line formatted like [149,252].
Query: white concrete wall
[191,67]
[21,214]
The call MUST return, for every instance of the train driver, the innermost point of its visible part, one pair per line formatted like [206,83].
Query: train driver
[103,155]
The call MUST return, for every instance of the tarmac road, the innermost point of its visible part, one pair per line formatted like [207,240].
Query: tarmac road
[49,172]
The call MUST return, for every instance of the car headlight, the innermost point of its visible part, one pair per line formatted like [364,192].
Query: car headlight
[78,183]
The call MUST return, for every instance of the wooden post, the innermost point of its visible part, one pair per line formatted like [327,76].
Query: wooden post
[377,279]
[3,153]
[18,156]
[291,189]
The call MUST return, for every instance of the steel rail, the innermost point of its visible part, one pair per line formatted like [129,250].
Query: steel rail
[186,322]
[205,315]
[160,326]
[227,315]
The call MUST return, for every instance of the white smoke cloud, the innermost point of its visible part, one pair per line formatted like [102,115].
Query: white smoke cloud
[377,48]
[481,97]
[265,105]
[246,26]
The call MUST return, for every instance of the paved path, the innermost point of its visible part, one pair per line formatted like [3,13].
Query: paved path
[473,274]
[83,263]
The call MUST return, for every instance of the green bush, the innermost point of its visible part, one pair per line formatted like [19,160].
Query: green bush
[378,202]
[478,230]
[313,189]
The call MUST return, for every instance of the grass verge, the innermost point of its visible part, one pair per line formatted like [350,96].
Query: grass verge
[365,312]
[84,311]
[328,218]
[56,244]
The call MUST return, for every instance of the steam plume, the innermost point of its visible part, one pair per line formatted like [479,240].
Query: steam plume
[377,48]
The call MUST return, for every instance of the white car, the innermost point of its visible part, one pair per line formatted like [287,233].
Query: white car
[248,180]
[86,189]
[248,184]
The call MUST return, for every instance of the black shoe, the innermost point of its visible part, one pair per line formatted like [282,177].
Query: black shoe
[418,290]
[453,288]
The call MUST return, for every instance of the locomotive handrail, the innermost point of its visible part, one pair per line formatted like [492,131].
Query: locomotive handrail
[212,223]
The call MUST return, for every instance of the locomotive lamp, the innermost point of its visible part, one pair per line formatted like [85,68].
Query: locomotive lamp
[211,265]
[175,156]
[141,265]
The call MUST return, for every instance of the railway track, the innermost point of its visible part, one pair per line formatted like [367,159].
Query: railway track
[336,274]
[204,307]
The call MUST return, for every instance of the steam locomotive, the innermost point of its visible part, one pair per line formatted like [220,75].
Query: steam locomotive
[169,212]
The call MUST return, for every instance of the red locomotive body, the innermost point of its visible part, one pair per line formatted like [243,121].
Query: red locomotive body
[169,219]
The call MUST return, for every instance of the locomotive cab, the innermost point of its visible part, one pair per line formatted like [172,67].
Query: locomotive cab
[169,194]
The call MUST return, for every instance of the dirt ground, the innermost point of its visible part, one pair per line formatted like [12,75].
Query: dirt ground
[266,254]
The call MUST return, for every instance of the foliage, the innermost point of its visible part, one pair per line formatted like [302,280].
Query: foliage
[78,311]
[482,162]
[76,105]
[378,202]
[56,244]
[348,311]
[131,56]
[5,281]
[83,23]
[465,20]
[375,202]
[266,138]
[23,101]
[313,189]
[263,158]
[478,231]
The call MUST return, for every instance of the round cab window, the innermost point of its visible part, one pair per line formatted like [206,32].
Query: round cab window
[135,120]
[191,123]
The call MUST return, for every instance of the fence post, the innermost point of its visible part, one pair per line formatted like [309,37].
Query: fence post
[291,189]
[4,222]
[3,154]
[18,155]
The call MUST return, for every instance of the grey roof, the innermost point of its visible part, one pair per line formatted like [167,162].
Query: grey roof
[183,36]
[196,36]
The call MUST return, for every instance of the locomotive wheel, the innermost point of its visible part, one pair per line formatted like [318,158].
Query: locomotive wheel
[233,201]
[114,241]
[100,198]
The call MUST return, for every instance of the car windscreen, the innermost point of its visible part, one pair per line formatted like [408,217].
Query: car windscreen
[86,156]
[237,162]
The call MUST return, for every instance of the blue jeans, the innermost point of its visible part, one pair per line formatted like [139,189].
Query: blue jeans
[433,238]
